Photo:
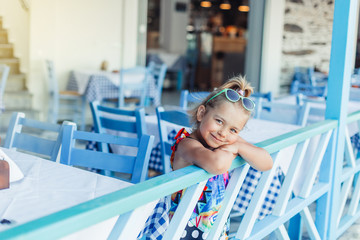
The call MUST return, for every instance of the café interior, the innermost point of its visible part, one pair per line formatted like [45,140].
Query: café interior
[93,96]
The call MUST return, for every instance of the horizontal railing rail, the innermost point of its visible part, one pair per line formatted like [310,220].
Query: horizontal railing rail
[81,216]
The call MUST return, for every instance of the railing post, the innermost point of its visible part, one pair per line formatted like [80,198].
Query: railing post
[341,64]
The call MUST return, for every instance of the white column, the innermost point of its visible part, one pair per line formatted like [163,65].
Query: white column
[272,46]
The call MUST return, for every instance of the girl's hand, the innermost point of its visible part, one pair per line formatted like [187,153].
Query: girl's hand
[232,148]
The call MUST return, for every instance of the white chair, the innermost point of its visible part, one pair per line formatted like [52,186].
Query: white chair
[131,89]
[4,71]
[158,72]
[64,105]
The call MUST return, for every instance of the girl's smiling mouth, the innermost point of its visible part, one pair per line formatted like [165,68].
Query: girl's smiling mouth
[216,139]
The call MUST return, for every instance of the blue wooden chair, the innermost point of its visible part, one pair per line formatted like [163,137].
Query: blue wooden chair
[187,98]
[64,105]
[4,73]
[136,165]
[141,87]
[120,120]
[158,72]
[166,118]
[305,81]
[35,137]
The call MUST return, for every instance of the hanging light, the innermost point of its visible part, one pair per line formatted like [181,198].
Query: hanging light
[244,8]
[225,5]
[205,4]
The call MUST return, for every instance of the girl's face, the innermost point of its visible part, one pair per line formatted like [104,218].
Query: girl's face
[221,125]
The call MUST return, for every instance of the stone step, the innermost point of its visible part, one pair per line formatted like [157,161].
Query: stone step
[6,116]
[6,50]
[17,99]
[16,82]
[13,63]
[3,36]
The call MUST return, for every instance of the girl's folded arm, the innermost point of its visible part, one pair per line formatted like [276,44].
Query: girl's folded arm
[213,161]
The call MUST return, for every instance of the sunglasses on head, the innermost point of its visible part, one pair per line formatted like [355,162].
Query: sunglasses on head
[234,96]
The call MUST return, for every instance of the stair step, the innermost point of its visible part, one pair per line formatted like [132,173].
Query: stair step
[17,99]
[3,36]
[13,63]
[6,50]
[15,82]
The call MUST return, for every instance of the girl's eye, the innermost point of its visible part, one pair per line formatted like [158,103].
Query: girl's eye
[234,131]
[219,121]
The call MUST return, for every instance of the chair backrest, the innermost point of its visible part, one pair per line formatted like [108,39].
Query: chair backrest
[187,98]
[32,136]
[131,85]
[268,96]
[168,120]
[116,119]
[282,112]
[136,165]
[158,72]
[4,73]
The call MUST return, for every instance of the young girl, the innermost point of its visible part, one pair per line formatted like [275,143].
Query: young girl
[213,145]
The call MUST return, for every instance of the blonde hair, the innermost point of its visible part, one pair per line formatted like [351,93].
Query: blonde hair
[236,83]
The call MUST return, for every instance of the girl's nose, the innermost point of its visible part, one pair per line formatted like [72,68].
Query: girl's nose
[220,132]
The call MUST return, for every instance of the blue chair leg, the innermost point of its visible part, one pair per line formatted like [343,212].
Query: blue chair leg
[179,80]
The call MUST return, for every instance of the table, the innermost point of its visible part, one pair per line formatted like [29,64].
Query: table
[100,85]
[48,187]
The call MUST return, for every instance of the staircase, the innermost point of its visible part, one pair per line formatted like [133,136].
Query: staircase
[16,97]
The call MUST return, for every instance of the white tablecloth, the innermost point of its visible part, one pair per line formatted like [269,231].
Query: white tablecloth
[49,187]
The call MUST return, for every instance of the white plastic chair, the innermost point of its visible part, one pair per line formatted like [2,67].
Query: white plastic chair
[4,71]
[64,105]
[158,72]
[131,86]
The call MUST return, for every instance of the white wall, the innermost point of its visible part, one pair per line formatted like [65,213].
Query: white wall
[272,46]
[75,34]
[79,35]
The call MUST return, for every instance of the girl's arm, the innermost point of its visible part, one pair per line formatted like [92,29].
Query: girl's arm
[192,152]
[257,157]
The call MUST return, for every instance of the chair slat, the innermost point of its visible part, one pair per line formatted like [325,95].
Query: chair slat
[104,161]
[39,125]
[111,139]
[119,125]
[26,142]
